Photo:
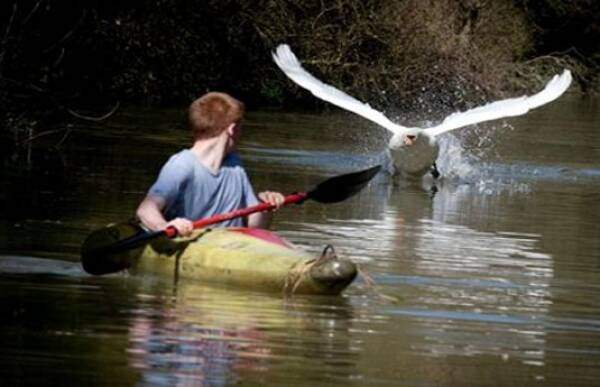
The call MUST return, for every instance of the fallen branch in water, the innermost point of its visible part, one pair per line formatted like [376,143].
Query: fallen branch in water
[95,119]
[42,134]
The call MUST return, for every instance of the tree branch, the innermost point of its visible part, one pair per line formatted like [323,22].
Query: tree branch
[67,35]
[7,34]
[95,119]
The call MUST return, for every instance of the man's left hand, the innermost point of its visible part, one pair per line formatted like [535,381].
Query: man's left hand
[274,198]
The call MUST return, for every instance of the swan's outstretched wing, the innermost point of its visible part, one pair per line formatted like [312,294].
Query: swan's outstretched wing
[289,64]
[505,108]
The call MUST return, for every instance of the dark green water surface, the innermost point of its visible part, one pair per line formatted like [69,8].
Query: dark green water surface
[492,280]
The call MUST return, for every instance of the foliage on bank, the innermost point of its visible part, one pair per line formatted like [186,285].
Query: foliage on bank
[408,55]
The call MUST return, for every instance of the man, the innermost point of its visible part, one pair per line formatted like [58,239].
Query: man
[208,178]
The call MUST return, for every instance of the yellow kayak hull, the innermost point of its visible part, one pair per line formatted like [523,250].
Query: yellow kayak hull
[241,257]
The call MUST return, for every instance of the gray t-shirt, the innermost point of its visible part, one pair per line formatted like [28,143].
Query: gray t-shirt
[192,191]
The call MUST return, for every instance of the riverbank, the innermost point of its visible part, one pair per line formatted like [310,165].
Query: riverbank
[406,57]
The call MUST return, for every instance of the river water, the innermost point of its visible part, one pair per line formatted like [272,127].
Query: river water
[490,276]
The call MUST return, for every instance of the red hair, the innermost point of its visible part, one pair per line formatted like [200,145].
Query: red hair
[212,113]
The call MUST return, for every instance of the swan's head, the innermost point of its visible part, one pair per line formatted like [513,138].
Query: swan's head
[409,138]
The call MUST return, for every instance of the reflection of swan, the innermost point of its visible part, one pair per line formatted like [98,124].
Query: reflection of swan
[414,150]
[466,271]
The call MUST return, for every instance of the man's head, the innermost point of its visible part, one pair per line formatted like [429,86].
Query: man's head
[213,113]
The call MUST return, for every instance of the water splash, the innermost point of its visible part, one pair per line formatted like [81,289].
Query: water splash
[454,163]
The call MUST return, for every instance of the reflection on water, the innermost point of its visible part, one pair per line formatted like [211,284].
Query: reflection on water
[221,337]
[165,335]
[492,272]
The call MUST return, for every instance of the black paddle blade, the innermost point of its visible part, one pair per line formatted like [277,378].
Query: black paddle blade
[340,188]
[107,250]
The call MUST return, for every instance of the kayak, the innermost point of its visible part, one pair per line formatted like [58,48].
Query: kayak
[242,257]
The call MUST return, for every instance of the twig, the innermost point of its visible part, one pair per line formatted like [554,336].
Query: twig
[33,10]
[7,33]
[324,10]
[24,85]
[95,119]
[10,23]
[333,62]
[371,285]
[41,134]
[67,35]
[60,58]
[39,90]
[67,132]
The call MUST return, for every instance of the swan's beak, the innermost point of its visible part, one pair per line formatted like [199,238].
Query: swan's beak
[404,140]
[410,139]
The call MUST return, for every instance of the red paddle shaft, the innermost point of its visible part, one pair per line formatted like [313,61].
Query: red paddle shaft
[171,232]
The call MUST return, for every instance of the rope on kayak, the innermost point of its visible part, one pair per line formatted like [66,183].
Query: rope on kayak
[295,277]
[299,272]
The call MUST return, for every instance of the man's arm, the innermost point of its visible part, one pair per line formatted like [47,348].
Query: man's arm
[260,220]
[263,219]
[150,214]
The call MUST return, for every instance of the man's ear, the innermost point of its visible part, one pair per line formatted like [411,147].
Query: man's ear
[230,129]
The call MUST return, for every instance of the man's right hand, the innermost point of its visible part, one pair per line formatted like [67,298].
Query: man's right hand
[183,226]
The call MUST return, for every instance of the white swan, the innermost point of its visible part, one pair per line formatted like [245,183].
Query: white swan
[415,150]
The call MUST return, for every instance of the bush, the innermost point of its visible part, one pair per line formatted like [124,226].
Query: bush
[410,54]
[428,56]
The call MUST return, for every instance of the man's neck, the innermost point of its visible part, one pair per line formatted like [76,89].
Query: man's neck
[210,152]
